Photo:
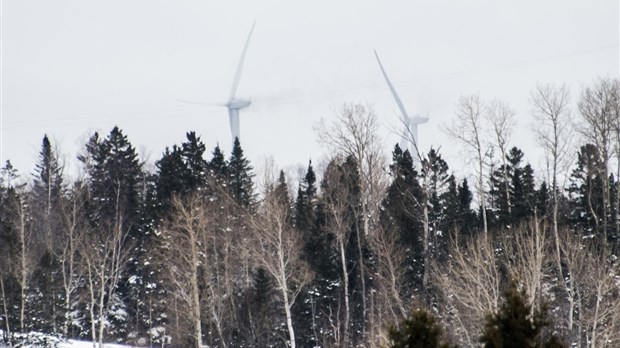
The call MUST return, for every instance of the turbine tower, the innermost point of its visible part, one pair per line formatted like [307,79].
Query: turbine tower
[410,132]
[233,104]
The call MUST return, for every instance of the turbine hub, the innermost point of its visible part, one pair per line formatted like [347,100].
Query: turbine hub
[238,104]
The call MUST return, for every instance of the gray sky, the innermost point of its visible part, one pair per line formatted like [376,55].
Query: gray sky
[72,67]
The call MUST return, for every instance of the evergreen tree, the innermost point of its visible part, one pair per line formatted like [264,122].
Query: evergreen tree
[515,325]
[521,188]
[434,171]
[116,186]
[418,331]
[196,166]
[403,210]
[240,177]
[45,205]
[171,170]
[586,191]
[114,175]
[217,166]
[10,251]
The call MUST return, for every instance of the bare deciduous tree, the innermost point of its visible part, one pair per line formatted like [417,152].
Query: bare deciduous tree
[277,247]
[105,253]
[468,128]
[598,108]
[74,227]
[354,133]
[502,120]
[184,234]
[470,285]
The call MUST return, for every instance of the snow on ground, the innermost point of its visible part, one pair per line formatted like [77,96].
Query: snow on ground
[88,344]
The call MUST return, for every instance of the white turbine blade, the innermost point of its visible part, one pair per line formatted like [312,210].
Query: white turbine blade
[200,103]
[233,90]
[398,101]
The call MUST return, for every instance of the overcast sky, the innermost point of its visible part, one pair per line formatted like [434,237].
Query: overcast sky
[70,68]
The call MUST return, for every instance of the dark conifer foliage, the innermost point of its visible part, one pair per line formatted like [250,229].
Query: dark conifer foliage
[402,209]
[171,170]
[418,331]
[586,191]
[434,171]
[47,192]
[459,216]
[240,176]
[516,325]
[519,203]
[45,203]
[217,169]
[114,177]
[10,250]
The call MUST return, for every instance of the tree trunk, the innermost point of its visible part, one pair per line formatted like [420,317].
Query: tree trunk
[345,276]
[7,325]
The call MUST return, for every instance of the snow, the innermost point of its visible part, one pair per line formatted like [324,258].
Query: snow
[88,344]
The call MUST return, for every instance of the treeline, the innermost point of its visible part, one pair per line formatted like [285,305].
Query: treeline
[203,251]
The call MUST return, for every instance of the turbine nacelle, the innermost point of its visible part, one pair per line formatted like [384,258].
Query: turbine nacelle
[418,120]
[238,104]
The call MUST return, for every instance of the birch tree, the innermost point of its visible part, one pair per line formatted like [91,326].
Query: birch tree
[354,133]
[598,108]
[277,248]
[468,128]
[501,118]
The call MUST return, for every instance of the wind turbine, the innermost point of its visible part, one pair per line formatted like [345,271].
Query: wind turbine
[410,123]
[234,104]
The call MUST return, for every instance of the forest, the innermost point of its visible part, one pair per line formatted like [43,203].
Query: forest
[207,250]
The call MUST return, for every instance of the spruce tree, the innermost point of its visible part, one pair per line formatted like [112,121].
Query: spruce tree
[402,210]
[217,169]
[169,180]
[193,150]
[45,205]
[516,325]
[240,177]
[418,331]
[115,182]
[434,171]
[586,191]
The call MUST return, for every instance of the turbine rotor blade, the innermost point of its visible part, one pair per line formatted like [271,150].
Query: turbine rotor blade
[398,101]
[235,83]
[200,103]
